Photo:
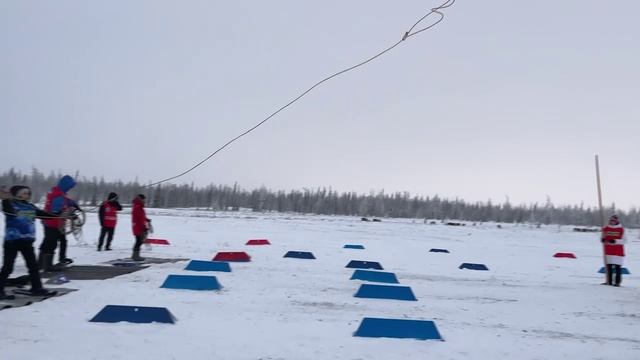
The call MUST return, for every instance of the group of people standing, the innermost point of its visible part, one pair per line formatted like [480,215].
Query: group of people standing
[20,230]
[140,224]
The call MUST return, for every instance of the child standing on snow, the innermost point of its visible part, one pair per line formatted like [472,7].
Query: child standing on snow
[108,215]
[140,225]
[57,203]
[20,234]
[613,240]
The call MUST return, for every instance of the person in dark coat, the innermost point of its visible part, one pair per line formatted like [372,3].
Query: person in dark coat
[19,236]
[54,229]
[108,215]
[140,225]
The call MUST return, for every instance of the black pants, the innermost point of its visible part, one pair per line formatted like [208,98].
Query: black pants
[11,250]
[139,241]
[109,233]
[53,236]
[63,246]
[611,268]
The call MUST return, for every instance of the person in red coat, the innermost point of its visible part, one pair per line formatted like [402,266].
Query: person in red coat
[613,240]
[140,225]
[108,215]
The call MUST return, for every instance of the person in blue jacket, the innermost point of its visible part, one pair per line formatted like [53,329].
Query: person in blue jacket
[19,236]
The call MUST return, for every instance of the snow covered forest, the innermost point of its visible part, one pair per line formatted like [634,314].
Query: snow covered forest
[92,191]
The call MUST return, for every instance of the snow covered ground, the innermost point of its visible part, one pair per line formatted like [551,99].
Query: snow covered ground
[529,305]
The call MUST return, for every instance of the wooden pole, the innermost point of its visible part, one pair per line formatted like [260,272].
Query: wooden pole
[602,223]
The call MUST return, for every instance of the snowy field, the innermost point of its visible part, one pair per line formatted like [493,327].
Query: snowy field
[529,305]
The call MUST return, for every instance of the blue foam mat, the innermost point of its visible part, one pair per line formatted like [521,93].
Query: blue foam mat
[398,328]
[360,264]
[624,271]
[134,314]
[201,265]
[373,291]
[353,246]
[374,276]
[299,255]
[191,282]
[471,266]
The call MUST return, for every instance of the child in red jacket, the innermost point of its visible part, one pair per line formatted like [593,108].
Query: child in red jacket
[613,240]
[140,225]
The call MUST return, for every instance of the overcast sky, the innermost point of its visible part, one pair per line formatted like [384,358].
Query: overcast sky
[503,98]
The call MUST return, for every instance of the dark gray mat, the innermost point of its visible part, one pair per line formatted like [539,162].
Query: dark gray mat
[24,300]
[147,260]
[94,272]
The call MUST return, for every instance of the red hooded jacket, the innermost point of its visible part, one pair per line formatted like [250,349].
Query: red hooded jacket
[138,217]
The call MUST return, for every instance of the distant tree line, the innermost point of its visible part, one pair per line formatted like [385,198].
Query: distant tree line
[92,191]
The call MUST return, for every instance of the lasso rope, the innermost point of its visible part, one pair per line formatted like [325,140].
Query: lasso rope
[410,33]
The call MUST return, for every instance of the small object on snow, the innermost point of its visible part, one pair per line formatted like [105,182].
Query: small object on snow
[157,242]
[353,246]
[258,242]
[472,266]
[58,279]
[586,229]
[564,255]
[236,256]
[299,255]
[439,251]
[359,264]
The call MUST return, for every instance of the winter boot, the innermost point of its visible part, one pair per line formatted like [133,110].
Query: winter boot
[618,275]
[609,274]
[136,256]
[66,261]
